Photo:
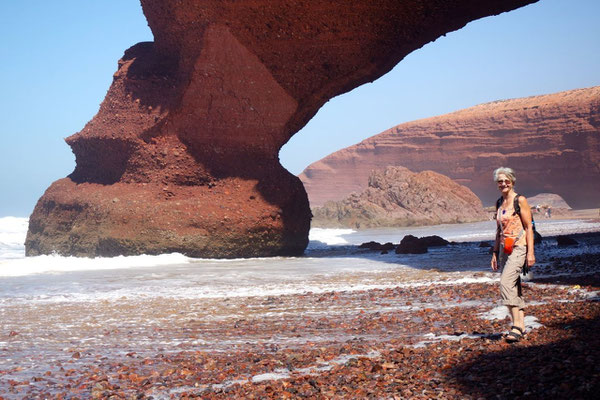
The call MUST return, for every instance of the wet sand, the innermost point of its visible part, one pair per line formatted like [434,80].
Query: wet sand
[418,341]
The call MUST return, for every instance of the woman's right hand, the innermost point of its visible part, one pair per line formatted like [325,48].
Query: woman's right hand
[494,262]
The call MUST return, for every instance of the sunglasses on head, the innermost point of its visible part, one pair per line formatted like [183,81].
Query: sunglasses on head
[504,181]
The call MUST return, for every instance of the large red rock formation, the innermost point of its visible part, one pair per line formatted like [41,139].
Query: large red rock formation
[552,141]
[183,154]
[398,197]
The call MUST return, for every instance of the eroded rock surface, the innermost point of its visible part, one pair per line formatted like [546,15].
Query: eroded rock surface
[552,141]
[183,153]
[399,197]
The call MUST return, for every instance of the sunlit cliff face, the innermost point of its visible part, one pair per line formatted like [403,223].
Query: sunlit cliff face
[552,141]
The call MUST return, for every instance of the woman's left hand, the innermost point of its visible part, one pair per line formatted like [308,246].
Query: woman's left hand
[530,260]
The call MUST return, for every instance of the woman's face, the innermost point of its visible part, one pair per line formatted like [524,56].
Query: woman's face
[504,183]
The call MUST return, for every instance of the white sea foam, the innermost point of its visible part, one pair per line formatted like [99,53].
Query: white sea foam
[12,237]
[329,236]
[278,374]
[531,322]
[430,338]
[451,282]
[57,264]
[501,312]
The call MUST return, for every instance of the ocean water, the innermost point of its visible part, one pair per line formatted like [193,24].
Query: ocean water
[331,262]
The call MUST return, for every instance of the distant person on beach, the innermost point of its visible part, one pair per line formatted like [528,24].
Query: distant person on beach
[513,247]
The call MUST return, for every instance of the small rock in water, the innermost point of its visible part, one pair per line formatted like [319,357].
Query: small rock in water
[411,245]
[434,241]
[370,245]
[376,246]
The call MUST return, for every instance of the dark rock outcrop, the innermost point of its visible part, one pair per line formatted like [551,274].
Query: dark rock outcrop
[552,141]
[376,246]
[413,245]
[399,197]
[434,241]
[183,153]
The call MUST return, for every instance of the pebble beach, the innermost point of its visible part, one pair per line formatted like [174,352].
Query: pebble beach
[439,334]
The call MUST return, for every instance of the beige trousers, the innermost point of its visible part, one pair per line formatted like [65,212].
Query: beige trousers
[510,280]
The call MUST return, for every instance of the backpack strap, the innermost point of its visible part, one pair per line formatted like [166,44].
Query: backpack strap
[498,203]
[517,208]
[516,205]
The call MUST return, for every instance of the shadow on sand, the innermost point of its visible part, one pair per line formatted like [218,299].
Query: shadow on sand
[566,367]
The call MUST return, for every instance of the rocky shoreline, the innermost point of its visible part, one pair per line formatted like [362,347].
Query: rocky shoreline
[422,341]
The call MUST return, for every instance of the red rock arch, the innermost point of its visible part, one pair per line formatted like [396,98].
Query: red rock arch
[183,153]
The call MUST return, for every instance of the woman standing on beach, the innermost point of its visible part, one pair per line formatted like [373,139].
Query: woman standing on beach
[513,248]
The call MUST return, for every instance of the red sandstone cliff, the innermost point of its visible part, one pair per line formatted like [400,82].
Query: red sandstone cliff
[183,153]
[398,197]
[552,141]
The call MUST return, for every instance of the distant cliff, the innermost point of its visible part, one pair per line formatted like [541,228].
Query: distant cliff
[552,141]
[399,197]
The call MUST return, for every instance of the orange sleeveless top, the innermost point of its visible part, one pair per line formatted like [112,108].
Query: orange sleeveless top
[510,225]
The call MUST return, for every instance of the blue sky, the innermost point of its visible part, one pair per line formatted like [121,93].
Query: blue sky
[58,59]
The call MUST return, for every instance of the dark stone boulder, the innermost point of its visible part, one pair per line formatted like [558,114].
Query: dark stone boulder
[411,245]
[376,246]
[388,246]
[370,245]
[434,241]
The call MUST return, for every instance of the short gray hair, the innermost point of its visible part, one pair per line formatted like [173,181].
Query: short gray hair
[510,174]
